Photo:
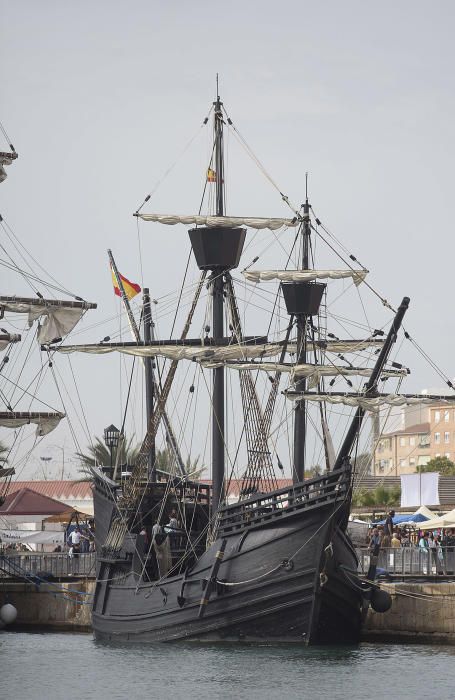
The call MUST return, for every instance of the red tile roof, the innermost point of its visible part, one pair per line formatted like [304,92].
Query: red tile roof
[59,490]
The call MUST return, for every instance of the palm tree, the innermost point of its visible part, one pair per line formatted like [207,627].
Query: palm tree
[378,497]
[98,454]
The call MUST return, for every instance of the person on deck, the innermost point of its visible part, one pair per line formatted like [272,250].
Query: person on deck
[173,522]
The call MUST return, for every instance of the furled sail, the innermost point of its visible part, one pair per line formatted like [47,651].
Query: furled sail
[58,317]
[45,422]
[313,372]
[373,403]
[7,338]
[357,276]
[214,353]
[223,221]
[6,159]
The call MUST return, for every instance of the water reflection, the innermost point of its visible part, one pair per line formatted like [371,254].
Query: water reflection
[55,665]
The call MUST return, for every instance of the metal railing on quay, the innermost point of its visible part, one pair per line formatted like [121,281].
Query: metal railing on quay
[44,565]
[410,561]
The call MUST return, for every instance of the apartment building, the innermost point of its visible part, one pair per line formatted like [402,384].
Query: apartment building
[402,451]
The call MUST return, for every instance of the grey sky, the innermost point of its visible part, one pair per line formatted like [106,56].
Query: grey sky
[100,98]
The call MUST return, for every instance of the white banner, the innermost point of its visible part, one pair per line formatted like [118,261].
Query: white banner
[31,537]
[420,489]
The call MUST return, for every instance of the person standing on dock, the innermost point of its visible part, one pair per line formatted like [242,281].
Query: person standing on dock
[388,529]
[75,541]
[375,540]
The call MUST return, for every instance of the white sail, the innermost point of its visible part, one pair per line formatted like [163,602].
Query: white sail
[5,159]
[372,404]
[223,221]
[179,352]
[57,318]
[45,422]
[313,372]
[357,276]
[216,353]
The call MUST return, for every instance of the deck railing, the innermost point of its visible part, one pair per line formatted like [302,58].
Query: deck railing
[42,565]
[310,494]
[411,561]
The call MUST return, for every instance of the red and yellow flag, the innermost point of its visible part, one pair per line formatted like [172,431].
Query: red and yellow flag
[131,289]
[211,175]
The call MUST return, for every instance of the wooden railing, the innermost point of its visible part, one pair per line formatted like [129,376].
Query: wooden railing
[314,493]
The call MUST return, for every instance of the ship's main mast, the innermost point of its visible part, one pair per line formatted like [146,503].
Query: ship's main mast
[218,418]
[218,248]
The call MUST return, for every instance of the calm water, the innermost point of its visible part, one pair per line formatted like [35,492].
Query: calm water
[61,666]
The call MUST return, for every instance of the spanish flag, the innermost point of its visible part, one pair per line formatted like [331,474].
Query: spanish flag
[211,175]
[130,288]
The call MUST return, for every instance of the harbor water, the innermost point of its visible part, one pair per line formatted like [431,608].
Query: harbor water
[59,666]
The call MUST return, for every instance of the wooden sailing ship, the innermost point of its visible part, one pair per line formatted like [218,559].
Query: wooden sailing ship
[278,565]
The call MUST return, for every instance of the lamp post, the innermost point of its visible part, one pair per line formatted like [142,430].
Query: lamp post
[111,438]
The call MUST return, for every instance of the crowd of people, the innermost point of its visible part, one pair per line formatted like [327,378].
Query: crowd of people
[390,535]
[439,543]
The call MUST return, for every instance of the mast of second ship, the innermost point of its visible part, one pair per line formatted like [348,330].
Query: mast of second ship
[300,418]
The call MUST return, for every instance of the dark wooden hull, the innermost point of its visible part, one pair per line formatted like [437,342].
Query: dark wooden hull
[285,581]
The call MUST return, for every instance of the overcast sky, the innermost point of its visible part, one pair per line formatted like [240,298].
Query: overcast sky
[100,98]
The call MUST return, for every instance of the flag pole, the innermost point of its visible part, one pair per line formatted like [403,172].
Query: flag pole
[155,392]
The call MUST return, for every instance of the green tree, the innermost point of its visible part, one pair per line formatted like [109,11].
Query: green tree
[378,497]
[98,454]
[443,465]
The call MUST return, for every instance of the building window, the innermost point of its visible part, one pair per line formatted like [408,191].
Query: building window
[402,442]
[438,454]
[446,416]
[424,440]
[448,455]
[437,416]
[446,438]
[412,441]
[403,463]
[412,461]
[437,438]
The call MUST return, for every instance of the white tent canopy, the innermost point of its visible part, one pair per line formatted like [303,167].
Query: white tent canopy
[447,520]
